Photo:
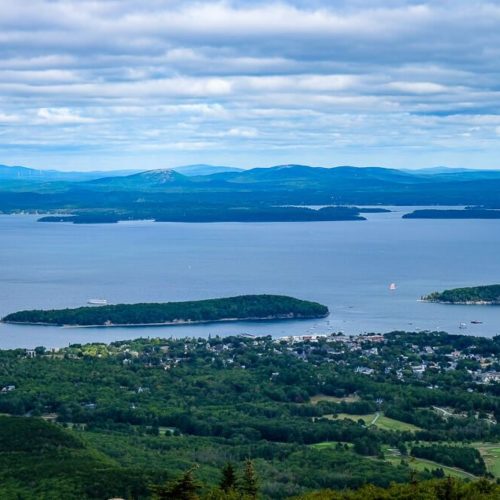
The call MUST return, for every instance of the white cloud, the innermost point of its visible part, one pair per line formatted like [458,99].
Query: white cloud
[418,87]
[390,75]
[242,132]
[9,118]
[61,116]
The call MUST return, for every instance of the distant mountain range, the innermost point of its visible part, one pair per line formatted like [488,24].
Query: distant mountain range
[14,173]
[41,175]
[279,185]
[233,174]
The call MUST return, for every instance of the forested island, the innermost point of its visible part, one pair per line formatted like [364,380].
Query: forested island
[471,213]
[489,295]
[208,213]
[243,307]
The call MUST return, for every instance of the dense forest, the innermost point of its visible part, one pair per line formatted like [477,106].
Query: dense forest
[244,307]
[133,417]
[42,460]
[489,294]
[427,490]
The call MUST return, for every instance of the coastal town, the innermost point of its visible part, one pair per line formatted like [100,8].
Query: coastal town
[400,356]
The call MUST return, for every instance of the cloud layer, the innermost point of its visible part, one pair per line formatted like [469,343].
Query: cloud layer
[128,83]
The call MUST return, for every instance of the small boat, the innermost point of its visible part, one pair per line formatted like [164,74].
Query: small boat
[97,302]
[476,322]
[392,286]
[462,326]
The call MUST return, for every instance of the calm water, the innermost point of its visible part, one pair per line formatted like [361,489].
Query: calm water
[345,265]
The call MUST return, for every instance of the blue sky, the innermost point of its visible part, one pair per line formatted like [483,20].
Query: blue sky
[147,84]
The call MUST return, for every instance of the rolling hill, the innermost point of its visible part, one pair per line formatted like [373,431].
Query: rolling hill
[167,190]
[204,169]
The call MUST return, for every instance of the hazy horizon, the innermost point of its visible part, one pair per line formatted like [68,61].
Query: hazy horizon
[96,168]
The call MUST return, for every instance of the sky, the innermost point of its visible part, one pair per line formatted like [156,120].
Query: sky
[114,84]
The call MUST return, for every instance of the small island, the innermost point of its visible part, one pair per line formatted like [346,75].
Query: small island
[216,213]
[488,295]
[241,308]
[468,213]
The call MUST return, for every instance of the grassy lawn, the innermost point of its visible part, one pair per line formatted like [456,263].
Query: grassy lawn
[417,464]
[395,425]
[332,399]
[491,455]
[329,444]
[420,464]
[382,422]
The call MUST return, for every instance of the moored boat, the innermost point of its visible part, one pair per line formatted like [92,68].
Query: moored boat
[97,302]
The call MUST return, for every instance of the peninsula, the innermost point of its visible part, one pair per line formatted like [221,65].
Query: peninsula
[241,308]
[489,295]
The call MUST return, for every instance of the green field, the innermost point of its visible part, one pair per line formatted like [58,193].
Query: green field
[329,444]
[332,399]
[417,464]
[491,455]
[420,464]
[380,421]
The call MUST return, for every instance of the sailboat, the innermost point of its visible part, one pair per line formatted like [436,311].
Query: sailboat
[392,286]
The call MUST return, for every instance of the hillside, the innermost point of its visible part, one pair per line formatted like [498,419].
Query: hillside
[129,415]
[37,176]
[204,169]
[151,179]
[42,460]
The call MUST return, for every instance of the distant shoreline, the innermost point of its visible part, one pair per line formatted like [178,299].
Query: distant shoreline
[283,317]
[463,303]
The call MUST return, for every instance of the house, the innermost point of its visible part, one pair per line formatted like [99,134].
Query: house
[363,370]
[418,370]
[488,377]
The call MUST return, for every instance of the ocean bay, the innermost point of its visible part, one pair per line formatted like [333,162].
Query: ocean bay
[347,266]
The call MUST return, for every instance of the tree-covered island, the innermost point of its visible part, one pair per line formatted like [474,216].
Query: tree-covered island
[244,307]
[489,295]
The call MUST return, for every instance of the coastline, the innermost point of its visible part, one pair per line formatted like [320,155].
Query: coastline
[463,303]
[283,317]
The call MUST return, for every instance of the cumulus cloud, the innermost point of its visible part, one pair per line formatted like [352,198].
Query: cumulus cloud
[250,82]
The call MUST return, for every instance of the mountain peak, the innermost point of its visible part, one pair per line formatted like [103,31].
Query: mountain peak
[160,175]
[200,169]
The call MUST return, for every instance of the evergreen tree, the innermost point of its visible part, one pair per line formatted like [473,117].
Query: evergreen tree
[249,482]
[183,488]
[228,480]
